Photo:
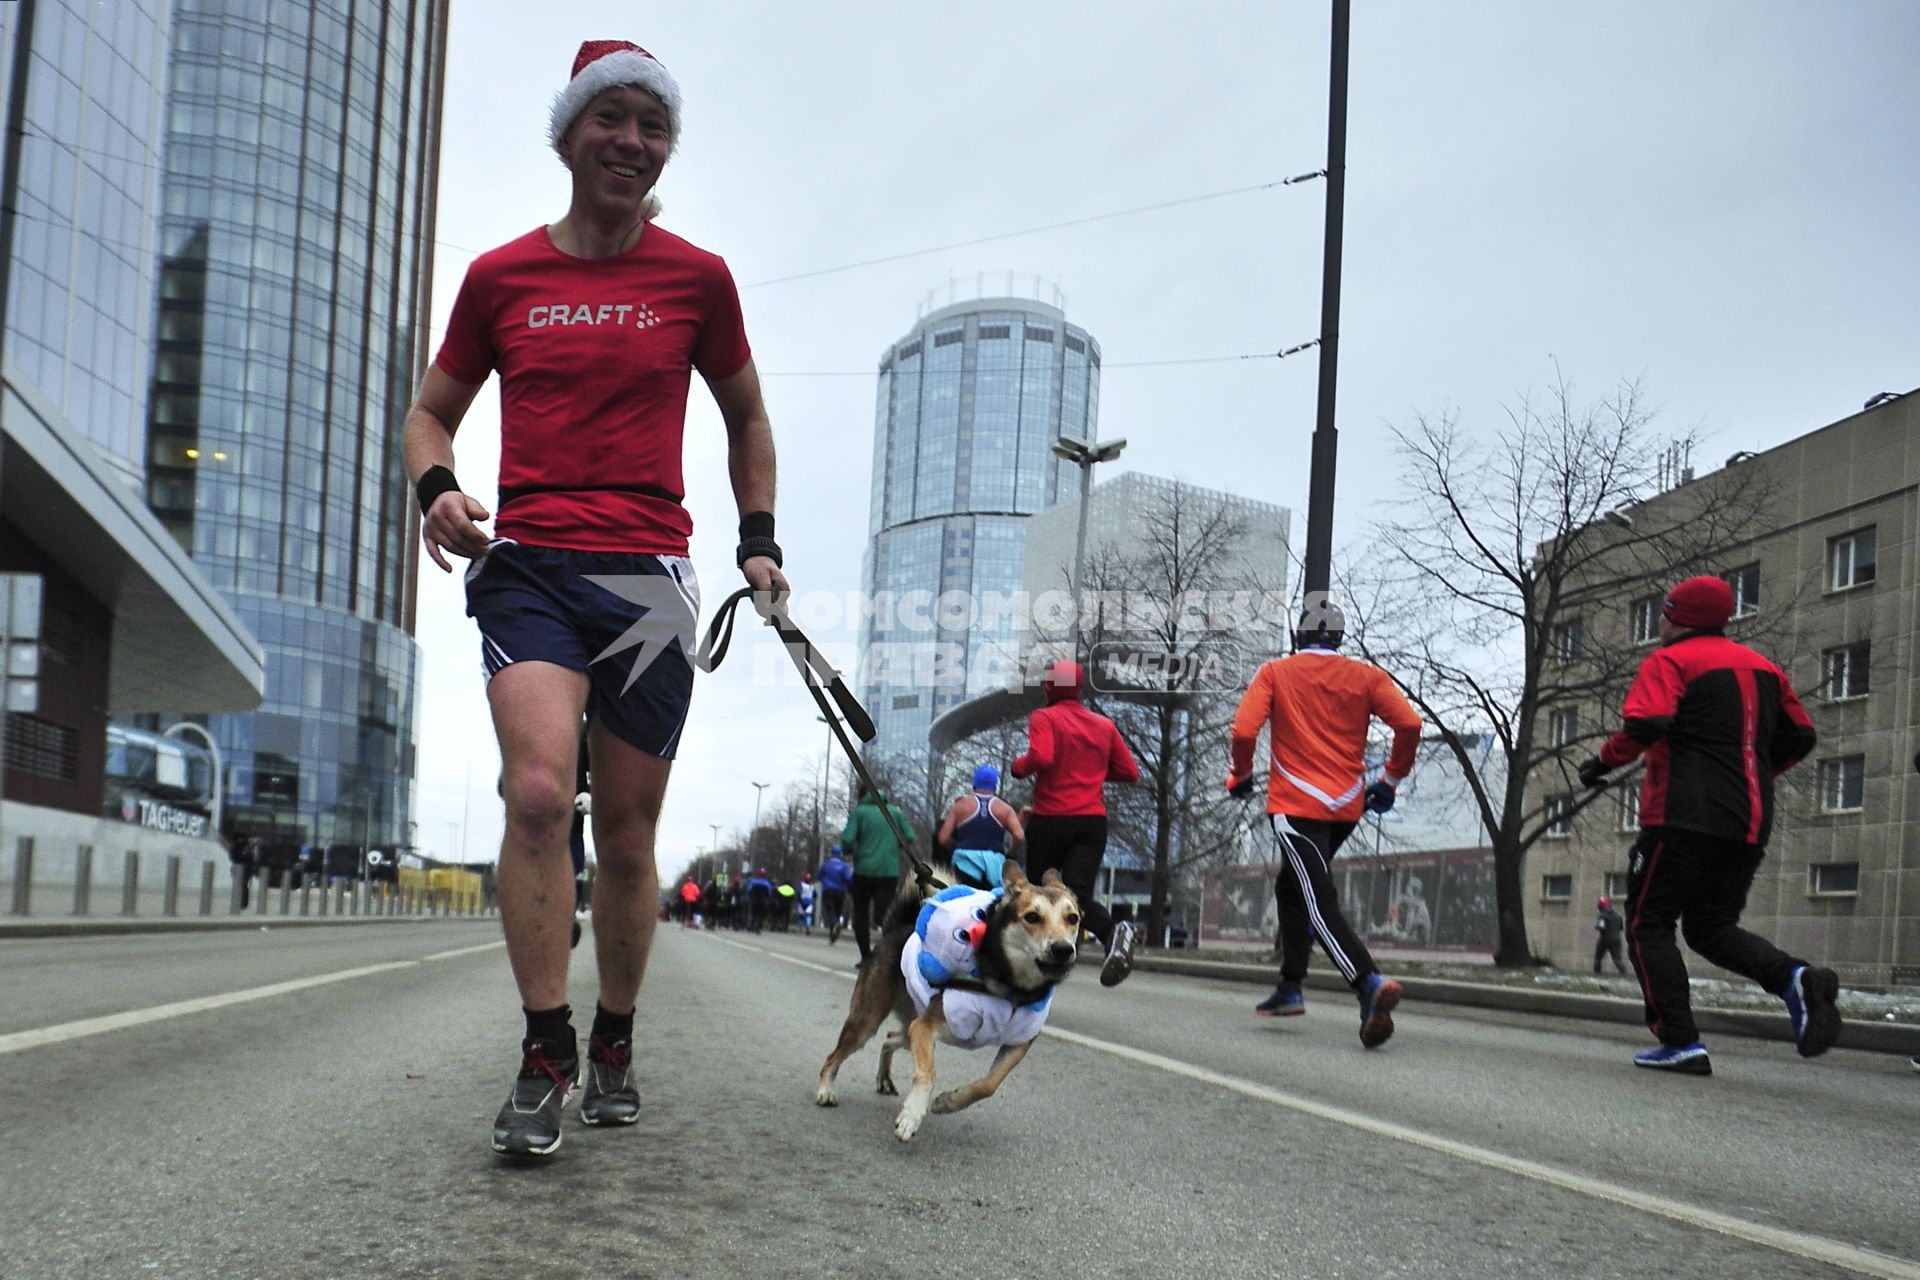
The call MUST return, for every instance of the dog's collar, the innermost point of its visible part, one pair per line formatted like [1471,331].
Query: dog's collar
[962,983]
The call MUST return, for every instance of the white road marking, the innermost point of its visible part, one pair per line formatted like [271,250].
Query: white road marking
[463,951]
[65,1031]
[1820,1249]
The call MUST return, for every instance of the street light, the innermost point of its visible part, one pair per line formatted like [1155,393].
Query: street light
[1085,456]
[820,804]
[759,790]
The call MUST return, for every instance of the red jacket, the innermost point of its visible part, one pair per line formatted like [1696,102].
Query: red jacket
[1075,753]
[1718,723]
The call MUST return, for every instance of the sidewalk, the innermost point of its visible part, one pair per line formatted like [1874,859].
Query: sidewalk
[1718,1007]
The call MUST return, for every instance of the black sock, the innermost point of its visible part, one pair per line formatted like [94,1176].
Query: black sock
[612,1028]
[555,1026]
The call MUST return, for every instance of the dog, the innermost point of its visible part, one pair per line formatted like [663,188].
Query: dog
[1021,944]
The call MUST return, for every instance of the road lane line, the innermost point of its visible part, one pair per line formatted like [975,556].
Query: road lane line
[1820,1249]
[65,1031]
[464,951]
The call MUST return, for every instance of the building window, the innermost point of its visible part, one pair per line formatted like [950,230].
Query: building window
[41,748]
[1850,560]
[1842,784]
[1833,880]
[1847,669]
[1746,589]
[1566,639]
[1556,888]
[1646,620]
[1559,816]
[1563,727]
[1630,807]
[1617,885]
[20,599]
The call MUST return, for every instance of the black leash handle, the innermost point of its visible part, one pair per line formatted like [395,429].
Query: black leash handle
[822,681]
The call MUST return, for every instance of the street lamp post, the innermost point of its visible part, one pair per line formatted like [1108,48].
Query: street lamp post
[759,790]
[820,804]
[1085,456]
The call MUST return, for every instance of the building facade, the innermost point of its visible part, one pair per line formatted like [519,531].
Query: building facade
[1829,588]
[101,613]
[300,165]
[970,404]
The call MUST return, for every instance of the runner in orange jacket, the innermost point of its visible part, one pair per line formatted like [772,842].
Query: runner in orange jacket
[1317,707]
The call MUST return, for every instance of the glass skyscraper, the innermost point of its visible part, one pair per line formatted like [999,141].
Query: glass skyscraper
[970,403]
[300,166]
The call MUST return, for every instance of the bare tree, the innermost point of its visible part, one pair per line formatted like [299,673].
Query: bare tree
[1180,624]
[1480,597]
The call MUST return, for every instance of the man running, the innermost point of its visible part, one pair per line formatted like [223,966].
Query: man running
[876,863]
[836,877]
[585,597]
[1609,926]
[1317,707]
[1072,753]
[977,829]
[1717,723]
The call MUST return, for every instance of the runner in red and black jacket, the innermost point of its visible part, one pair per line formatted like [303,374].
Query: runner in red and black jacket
[1717,723]
[1072,753]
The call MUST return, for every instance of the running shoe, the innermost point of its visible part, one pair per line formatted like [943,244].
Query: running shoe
[1378,996]
[1119,962]
[609,1095]
[1682,1059]
[1285,1002]
[1810,995]
[1915,1062]
[529,1123]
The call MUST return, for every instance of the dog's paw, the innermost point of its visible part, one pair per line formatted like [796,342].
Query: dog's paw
[884,1085]
[905,1125]
[946,1103]
[825,1098]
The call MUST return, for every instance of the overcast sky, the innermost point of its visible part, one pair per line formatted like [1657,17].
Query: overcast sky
[1719,199]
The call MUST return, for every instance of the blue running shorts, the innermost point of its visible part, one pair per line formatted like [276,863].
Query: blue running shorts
[626,619]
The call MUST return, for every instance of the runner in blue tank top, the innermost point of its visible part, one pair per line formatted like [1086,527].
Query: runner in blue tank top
[977,829]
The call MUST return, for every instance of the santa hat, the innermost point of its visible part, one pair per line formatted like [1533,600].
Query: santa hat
[1703,603]
[606,64]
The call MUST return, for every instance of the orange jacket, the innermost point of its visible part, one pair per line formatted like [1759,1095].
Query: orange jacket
[1317,706]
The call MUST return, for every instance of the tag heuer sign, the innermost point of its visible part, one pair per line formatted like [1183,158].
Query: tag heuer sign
[163,817]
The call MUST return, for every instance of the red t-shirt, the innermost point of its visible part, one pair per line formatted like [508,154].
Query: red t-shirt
[595,356]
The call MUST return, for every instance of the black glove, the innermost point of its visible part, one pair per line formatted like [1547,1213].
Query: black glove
[1240,788]
[1593,772]
[1380,796]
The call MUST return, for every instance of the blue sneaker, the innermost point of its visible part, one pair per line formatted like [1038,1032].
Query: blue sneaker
[1810,995]
[1685,1059]
[1378,997]
[1285,1002]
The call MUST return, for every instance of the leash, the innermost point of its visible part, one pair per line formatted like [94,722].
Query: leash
[823,682]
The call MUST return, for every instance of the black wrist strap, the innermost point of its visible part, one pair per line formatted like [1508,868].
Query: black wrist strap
[758,546]
[433,482]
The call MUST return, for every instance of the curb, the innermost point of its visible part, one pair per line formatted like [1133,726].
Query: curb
[1873,1037]
[88,928]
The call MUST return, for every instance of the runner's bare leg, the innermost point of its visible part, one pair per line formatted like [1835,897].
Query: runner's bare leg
[536,715]
[628,788]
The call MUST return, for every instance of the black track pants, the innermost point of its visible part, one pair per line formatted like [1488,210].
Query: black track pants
[1701,882]
[871,897]
[1604,946]
[1309,903]
[1072,845]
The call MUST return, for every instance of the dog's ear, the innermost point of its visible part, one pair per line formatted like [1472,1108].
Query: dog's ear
[1052,877]
[1011,876]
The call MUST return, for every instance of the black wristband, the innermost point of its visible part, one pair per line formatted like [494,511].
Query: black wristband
[758,546]
[756,524]
[433,482]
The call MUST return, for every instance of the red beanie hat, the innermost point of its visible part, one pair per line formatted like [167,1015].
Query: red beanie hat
[1063,681]
[1699,602]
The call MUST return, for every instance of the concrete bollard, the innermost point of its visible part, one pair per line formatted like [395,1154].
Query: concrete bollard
[82,879]
[306,894]
[130,884]
[170,898]
[286,892]
[23,876]
[206,888]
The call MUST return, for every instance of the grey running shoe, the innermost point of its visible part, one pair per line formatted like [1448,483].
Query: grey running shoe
[1119,962]
[609,1096]
[529,1123]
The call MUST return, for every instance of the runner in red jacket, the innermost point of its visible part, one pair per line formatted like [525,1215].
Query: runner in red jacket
[1072,753]
[1717,723]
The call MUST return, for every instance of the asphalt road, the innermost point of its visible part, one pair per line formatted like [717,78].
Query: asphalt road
[338,1128]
